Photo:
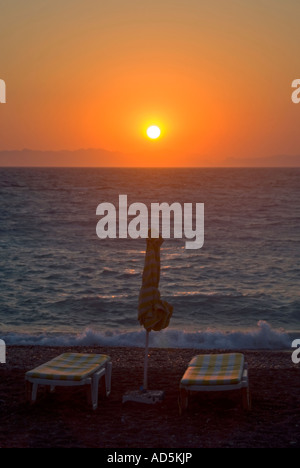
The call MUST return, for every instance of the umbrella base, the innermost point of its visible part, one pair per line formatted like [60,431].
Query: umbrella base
[144,396]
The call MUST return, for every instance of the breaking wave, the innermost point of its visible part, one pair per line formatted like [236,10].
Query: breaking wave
[263,336]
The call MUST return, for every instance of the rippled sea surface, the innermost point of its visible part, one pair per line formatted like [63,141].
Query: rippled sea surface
[61,284]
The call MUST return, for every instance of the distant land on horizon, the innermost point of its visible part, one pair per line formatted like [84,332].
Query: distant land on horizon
[104,158]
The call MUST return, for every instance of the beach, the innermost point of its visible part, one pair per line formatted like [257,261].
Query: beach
[64,419]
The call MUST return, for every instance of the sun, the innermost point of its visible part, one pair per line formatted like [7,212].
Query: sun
[153,132]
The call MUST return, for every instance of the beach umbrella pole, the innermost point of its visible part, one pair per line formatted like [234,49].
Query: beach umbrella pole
[145,386]
[144,395]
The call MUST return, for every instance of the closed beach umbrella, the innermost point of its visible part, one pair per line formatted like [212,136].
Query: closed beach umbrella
[153,312]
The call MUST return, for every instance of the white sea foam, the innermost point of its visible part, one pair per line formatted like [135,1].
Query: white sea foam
[261,337]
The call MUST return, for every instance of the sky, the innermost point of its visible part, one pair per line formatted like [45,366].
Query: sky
[215,76]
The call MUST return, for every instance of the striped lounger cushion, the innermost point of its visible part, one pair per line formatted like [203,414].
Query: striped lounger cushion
[69,366]
[214,369]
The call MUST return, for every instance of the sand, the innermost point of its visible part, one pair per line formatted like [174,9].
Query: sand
[64,419]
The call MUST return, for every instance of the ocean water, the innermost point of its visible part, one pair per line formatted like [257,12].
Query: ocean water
[62,285]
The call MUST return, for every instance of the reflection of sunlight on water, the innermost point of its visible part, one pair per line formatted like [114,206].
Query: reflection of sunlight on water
[172,255]
[172,267]
[111,296]
[170,246]
[130,271]
[185,293]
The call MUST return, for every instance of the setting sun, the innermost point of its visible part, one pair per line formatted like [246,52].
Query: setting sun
[153,132]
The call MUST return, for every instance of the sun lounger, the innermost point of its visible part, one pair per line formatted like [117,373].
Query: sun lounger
[71,369]
[215,372]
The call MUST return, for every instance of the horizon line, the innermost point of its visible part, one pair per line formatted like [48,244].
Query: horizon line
[149,167]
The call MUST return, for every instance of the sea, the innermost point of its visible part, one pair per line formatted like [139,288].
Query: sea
[61,285]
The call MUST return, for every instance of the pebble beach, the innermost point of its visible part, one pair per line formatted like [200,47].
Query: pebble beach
[64,419]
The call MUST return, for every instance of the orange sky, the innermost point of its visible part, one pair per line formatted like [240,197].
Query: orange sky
[215,76]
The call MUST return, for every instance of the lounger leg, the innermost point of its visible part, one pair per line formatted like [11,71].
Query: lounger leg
[34,392]
[108,378]
[246,401]
[95,386]
[94,392]
[28,390]
[89,394]
[183,400]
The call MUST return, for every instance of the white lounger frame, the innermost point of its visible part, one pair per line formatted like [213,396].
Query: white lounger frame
[93,381]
